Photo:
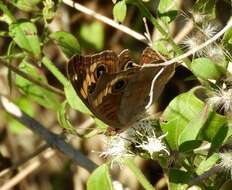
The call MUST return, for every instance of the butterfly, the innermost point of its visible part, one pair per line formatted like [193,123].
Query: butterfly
[115,88]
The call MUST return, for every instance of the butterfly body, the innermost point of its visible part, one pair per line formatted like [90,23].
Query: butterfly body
[116,89]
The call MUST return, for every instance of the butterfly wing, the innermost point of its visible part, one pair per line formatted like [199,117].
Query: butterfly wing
[84,72]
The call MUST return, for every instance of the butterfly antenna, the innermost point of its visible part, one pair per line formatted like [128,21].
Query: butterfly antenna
[152,88]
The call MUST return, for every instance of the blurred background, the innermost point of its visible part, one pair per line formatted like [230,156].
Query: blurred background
[50,169]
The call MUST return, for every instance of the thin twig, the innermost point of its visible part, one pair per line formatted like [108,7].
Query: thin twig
[21,162]
[205,175]
[187,28]
[52,139]
[106,20]
[192,51]
[26,171]
[32,79]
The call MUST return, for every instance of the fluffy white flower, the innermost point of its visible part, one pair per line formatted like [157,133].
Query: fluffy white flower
[153,145]
[226,161]
[209,29]
[117,148]
[222,98]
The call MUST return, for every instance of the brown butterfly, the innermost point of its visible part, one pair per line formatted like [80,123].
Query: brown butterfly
[116,89]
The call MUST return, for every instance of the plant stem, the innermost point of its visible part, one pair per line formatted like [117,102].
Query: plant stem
[32,79]
[149,16]
[139,175]
[52,68]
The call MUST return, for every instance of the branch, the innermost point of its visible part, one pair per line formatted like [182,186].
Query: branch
[32,79]
[205,175]
[52,139]
[27,171]
[106,20]
[192,51]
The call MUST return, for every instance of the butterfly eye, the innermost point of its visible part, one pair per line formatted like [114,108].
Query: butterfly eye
[101,69]
[119,85]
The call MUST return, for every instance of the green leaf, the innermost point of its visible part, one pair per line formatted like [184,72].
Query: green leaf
[26,5]
[73,99]
[7,15]
[119,11]
[63,120]
[227,40]
[93,34]
[205,165]
[67,42]
[179,176]
[205,7]
[161,46]
[36,93]
[206,69]
[167,10]
[189,145]
[218,139]
[100,179]
[194,126]
[24,33]
[178,114]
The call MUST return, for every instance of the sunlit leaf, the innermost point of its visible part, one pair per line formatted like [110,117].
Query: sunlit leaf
[35,92]
[207,164]
[24,33]
[100,179]
[205,69]
[119,11]
[168,10]
[67,42]
[26,5]
[73,99]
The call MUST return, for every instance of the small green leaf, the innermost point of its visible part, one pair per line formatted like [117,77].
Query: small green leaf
[24,33]
[189,145]
[161,46]
[119,11]
[100,179]
[63,120]
[67,42]
[218,139]
[73,99]
[194,126]
[179,176]
[93,34]
[206,69]
[100,124]
[167,10]
[7,15]
[26,5]
[36,93]
[227,40]
[207,164]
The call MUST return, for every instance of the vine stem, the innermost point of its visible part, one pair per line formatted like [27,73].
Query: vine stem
[107,21]
[139,175]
